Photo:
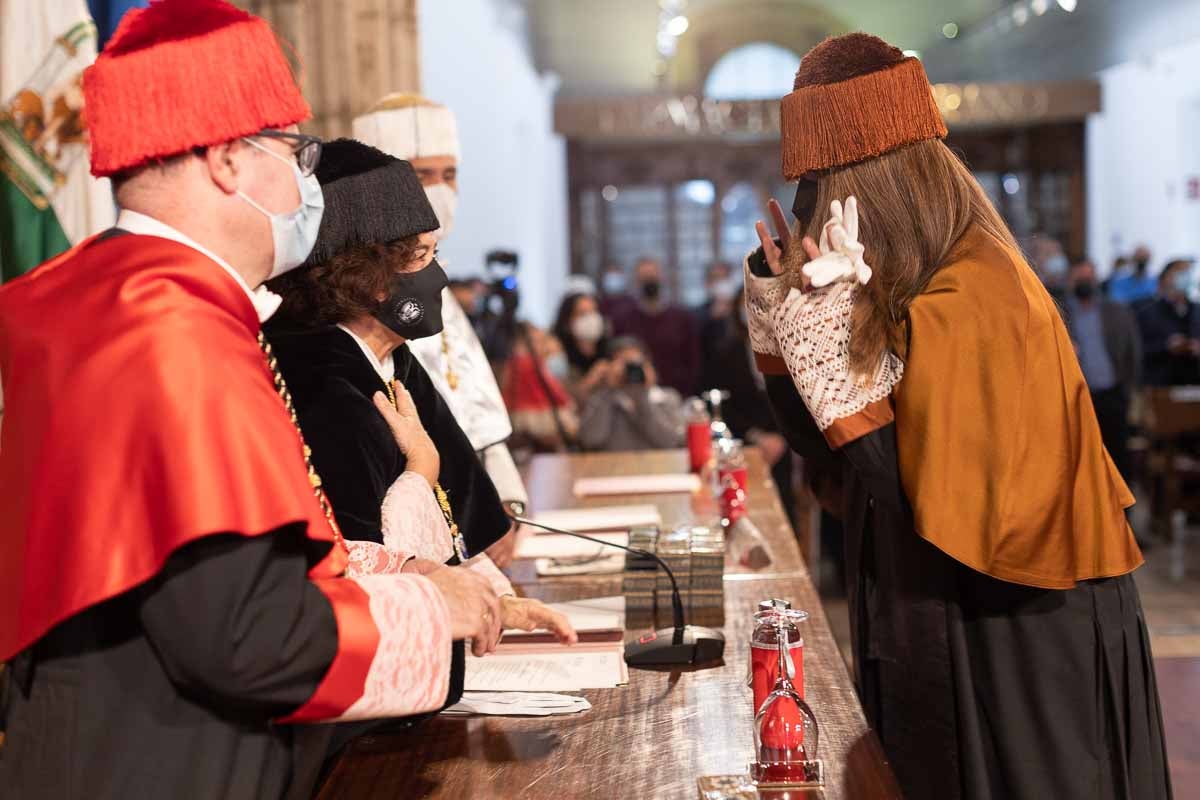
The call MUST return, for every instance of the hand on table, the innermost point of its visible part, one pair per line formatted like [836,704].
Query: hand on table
[475,612]
[523,613]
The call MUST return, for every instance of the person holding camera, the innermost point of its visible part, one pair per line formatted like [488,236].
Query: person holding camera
[628,410]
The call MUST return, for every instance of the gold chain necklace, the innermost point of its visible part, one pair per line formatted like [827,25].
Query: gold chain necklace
[443,500]
[451,375]
[313,478]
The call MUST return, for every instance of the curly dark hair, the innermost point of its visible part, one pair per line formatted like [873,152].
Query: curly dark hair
[345,287]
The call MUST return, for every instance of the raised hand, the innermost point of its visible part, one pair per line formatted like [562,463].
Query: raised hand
[410,435]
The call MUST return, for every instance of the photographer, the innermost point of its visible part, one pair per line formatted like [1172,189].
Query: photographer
[629,410]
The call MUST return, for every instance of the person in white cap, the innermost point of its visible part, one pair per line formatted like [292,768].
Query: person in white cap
[417,130]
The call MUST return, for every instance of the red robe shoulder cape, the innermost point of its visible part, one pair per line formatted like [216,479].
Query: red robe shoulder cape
[141,415]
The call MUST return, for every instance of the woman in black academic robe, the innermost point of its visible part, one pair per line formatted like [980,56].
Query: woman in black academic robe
[371,283]
[1000,649]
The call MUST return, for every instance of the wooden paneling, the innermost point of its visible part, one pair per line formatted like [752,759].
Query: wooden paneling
[654,737]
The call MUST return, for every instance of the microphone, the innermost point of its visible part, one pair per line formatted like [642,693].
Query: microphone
[681,644]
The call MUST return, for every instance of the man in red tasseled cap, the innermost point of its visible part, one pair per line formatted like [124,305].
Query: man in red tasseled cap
[174,589]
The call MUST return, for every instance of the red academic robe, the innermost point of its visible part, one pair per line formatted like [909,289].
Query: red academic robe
[171,509]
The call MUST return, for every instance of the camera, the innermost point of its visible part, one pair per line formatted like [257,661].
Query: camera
[635,373]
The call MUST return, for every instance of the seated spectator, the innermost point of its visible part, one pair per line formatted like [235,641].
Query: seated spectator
[1134,286]
[1170,325]
[542,411]
[629,410]
[583,332]
[1110,352]
[670,331]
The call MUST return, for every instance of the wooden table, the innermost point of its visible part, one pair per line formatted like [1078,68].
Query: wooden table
[654,737]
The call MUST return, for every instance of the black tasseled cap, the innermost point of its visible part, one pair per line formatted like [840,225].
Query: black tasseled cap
[370,198]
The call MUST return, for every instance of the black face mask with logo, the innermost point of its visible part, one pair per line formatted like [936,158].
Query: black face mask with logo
[413,308]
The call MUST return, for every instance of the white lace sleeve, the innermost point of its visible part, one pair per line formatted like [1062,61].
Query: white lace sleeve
[413,522]
[410,671]
[764,296]
[372,558]
[813,332]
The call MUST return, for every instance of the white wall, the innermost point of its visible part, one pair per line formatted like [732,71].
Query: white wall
[1141,151]
[475,58]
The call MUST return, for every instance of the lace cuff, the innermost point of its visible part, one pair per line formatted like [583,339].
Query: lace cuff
[764,296]
[483,566]
[413,522]
[813,330]
[410,672]
[372,558]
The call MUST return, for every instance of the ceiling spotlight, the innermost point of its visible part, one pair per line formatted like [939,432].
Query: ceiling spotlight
[1068,5]
[1020,14]
[1040,7]
[950,29]
[678,25]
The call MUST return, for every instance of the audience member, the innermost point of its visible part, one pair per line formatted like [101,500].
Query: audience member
[1051,262]
[615,300]
[1170,325]
[669,330]
[1110,352]
[464,293]
[583,332]
[629,410]
[1135,285]
[714,316]
[542,412]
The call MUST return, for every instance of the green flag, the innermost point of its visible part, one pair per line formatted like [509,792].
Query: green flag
[48,198]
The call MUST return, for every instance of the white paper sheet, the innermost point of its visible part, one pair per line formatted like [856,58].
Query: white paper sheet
[684,483]
[555,672]
[605,518]
[556,545]
[519,704]
[609,564]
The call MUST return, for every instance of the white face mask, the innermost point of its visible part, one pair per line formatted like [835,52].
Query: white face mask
[588,327]
[295,232]
[445,202]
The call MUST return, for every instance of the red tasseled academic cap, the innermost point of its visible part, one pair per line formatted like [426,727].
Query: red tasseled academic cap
[180,74]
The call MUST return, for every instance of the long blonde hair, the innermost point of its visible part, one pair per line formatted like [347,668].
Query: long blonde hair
[915,204]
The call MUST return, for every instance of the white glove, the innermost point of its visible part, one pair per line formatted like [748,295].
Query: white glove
[841,253]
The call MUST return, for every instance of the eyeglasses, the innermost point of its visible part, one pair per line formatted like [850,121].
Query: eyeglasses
[306,149]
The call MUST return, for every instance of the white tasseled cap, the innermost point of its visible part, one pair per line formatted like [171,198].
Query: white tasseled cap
[409,126]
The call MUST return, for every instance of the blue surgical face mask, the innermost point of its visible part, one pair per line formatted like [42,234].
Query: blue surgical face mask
[294,233]
[613,283]
[1182,280]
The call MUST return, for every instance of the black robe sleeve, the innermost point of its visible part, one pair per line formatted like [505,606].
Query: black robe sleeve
[235,621]
[873,457]
[355,454]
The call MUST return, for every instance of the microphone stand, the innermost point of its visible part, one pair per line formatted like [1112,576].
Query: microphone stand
[682,644]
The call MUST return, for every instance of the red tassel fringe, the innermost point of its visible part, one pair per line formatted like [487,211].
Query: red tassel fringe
[182,74]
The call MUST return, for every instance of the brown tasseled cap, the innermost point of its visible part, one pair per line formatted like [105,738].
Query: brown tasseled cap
[856,97]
